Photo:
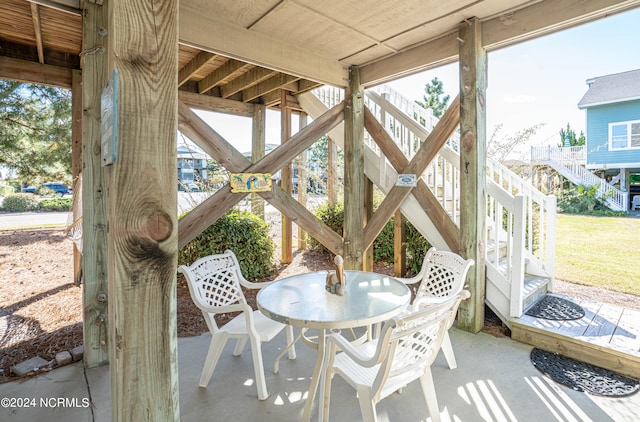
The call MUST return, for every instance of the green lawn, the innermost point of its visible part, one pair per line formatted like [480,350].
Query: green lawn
[599,251]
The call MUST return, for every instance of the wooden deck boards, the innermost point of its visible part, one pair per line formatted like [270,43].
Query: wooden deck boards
[607,336]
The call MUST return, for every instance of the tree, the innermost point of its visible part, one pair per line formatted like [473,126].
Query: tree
[433,97]
[570,134]
[35,131]
[500,146]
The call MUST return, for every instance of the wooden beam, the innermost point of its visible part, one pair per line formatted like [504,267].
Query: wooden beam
[209,140]
[540,18]
[427,200]
[473,85]
[219,105]
[354,246]
[305,85]
[286,181]
[143,236]
[25,71]
[211,209]
[258,145]
[418,164]
[305,219]
[249,79]
[205,30]
[206,213]
[194,66]
[220,74]
[94,193]
[399,245]
[367,257]
[37,28]
[76,164]
[272,84]
[302,183]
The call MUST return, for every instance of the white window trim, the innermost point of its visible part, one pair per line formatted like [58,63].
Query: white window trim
[628,124]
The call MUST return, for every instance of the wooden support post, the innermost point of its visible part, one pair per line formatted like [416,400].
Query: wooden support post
[143,235]
[399,245]
[354,172]
[94,190]
[368,213]
[473,68]
[257,152]
[76,161]
[287,183]
[332,173]
[302,184]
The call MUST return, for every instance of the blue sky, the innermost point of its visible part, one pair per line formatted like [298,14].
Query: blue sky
[542,80]
[538,81]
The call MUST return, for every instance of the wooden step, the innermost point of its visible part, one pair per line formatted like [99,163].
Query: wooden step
[535,287]
[607,336]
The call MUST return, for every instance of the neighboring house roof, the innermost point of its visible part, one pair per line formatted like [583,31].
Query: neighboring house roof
[614,88]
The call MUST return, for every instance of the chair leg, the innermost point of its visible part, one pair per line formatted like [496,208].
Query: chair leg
[258,368]
[367,406]
[447,349]
[240,343]
[429,391]
[215,349]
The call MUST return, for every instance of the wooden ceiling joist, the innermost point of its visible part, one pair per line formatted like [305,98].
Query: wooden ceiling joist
[272,84]
[219,75]
[26,71]
[35,15]
[249,79]
[194,66]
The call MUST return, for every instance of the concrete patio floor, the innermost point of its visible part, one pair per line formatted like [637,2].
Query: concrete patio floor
[494,381]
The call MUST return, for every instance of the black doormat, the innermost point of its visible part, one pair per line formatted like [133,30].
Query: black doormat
[582,376]
[555,308]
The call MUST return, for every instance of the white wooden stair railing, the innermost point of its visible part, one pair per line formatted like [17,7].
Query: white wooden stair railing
[570,163]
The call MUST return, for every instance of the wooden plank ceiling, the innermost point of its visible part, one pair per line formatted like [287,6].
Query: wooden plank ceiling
[250,50]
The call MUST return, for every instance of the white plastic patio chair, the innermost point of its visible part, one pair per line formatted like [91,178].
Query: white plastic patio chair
[442,275]
[215,286]
[635,203]
[404,352]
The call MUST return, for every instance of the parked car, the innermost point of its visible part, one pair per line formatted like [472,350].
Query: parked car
[188,186]
[57,187]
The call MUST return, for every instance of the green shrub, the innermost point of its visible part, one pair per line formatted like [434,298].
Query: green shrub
[245,234]
[20,202]
[6,190]
[416,244]
[55,204]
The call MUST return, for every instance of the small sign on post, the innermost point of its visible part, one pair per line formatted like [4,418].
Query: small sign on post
[407,180]
[109,120]
[250,182]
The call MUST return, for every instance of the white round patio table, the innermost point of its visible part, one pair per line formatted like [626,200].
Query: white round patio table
[302,301]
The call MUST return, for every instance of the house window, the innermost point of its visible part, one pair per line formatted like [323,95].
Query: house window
[624,135]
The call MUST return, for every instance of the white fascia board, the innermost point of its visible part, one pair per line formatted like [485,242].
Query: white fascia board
[217,36]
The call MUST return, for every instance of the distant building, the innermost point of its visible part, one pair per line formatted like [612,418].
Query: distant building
[192,163]
[612,104]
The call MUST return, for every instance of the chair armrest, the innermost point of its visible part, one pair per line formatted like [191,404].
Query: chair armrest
[238,307]
[354,352]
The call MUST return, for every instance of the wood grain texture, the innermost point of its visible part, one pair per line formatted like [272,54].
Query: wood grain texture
[143,241]
[354,246]
[94,193]
[473,68]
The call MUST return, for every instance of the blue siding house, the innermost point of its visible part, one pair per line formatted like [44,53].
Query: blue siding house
[612,105]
